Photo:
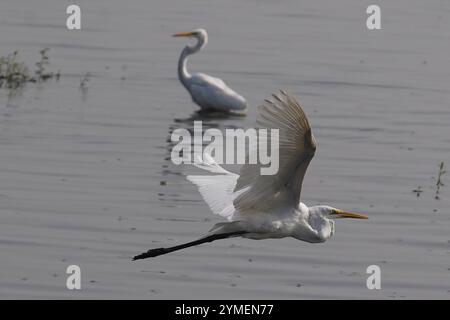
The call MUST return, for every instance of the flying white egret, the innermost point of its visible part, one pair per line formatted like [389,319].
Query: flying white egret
[208,92]
[266,206]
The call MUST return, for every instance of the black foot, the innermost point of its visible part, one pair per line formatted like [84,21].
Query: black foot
[150,253]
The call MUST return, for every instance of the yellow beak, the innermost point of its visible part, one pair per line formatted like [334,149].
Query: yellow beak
[183,34]
[347,214]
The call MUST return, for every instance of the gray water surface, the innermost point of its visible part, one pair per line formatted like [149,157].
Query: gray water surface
[86,178]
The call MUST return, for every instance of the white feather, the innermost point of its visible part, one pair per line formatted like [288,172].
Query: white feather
[296,149]
[216,190]
[212,93]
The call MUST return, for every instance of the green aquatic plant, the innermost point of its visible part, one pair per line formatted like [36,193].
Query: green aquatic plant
[41,64]
[439,182]
[15,74]
[41,73]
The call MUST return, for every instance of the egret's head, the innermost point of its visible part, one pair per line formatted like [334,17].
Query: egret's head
[321,220]
[334,213]
[199,34]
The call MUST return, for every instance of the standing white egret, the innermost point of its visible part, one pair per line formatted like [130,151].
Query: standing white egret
[208,92]
[266,206]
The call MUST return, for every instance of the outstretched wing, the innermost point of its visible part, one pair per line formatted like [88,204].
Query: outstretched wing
[296,149]
[217,190]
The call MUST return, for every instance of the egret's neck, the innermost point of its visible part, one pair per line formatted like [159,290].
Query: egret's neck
[183,74]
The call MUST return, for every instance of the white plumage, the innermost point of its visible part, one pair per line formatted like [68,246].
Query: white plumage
[266,206]
[217,190]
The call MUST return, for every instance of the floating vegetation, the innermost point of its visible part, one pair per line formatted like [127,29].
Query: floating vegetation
[439,182]
[437,186]
[418,191]
[41,73]
[84,81]
[15,74]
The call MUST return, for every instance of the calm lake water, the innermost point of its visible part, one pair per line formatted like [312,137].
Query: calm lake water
[86,178]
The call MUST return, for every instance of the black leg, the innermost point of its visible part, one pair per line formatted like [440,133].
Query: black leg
[160,251]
